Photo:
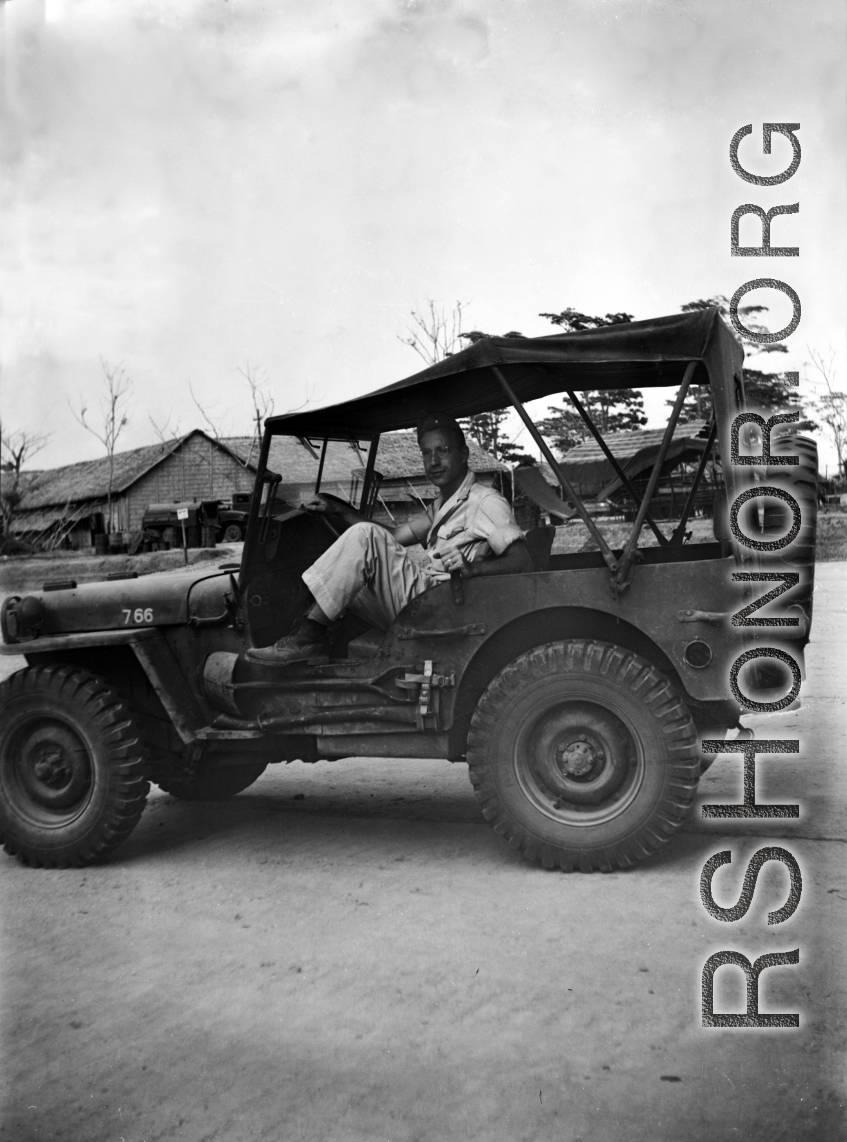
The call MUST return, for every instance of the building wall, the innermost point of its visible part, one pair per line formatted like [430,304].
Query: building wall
[57,528]
[198,471]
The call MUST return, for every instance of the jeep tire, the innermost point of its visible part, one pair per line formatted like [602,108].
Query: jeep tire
[583,756]
[72,767]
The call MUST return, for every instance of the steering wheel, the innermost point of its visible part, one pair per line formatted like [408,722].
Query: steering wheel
[328,521]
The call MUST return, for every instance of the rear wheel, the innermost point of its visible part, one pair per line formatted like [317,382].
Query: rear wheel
[72,767]
[583,756]
[233,533]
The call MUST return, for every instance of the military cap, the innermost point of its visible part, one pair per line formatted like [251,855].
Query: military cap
[441,420]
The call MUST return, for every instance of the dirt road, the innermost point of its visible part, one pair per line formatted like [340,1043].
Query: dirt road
[347,952]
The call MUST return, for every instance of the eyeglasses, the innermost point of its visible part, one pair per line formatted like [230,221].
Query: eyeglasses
[436,453]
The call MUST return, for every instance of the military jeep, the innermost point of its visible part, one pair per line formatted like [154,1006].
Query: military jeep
[576,693]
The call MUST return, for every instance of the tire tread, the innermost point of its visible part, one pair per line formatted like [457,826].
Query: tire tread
[652,688]
[125,758]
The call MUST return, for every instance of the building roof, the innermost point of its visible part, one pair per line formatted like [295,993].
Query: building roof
[89,479]
[591,473]
[297,462]
[398,457]
[626,444]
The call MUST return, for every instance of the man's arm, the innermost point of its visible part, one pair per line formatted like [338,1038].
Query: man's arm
[515,559]
[413,531]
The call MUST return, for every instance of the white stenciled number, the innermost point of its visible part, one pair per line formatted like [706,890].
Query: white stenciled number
[138,616]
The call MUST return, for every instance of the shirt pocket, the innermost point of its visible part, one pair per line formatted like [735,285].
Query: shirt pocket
[453,532]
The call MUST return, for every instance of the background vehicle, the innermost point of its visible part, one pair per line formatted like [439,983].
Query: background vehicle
[576,693]
[228,518]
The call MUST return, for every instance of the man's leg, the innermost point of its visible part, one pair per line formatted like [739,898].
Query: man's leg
[366,571]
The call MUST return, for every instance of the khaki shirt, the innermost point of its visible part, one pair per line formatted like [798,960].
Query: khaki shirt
[476,520]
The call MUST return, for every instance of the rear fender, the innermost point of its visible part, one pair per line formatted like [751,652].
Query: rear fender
[533,630]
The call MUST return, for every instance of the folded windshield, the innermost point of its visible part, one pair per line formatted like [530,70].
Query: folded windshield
[308,465]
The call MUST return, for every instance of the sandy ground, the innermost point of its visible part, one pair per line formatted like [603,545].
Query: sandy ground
[347,952]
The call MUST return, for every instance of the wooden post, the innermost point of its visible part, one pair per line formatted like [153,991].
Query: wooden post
[182,516]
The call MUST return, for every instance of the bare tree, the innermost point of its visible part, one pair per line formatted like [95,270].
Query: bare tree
[214,426]
[17,448]
[434,333]
[113,418]
[263,405]
[168,437]
[831,406]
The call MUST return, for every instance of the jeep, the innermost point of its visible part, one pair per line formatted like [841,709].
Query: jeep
[576,693]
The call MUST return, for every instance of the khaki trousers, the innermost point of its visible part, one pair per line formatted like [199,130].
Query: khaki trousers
[366,571]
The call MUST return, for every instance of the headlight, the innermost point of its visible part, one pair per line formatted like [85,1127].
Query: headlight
[21,619]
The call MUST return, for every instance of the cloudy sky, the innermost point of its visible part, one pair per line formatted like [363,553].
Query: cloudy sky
[193,186]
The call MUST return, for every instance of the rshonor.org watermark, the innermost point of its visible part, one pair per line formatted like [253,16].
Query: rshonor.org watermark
[768,568]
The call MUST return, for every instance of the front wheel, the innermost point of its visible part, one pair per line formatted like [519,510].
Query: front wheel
[583,756]
[72,767]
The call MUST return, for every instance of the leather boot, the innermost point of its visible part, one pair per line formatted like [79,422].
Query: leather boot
[307,643]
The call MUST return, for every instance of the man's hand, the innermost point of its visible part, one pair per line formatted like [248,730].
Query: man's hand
[340,515]
[453,560]
[514,560]
[320,505]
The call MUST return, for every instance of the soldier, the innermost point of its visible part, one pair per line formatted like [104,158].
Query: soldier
[470,528]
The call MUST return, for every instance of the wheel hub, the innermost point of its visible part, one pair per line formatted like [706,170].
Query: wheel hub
[579,757]
[53,765]
[53,769]
[581,754]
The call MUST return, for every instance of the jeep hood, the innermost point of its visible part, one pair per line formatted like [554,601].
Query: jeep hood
[125,604]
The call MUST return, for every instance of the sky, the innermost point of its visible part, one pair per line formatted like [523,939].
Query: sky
[197,188]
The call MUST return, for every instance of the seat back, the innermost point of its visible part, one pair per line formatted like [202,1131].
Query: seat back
[539,542]
[535,487]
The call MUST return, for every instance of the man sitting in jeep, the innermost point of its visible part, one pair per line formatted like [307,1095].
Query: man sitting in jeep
[469,529]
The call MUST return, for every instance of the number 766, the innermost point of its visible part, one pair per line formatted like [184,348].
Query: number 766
[138,616]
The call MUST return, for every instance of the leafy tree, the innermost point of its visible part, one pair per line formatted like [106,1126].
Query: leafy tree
[487,428]
[766,388]
[611,410]
[571,320]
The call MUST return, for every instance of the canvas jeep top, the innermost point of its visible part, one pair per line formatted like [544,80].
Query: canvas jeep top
[576,693]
